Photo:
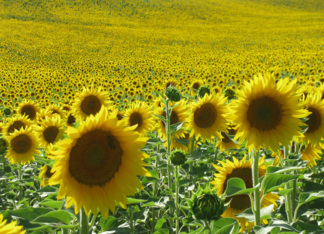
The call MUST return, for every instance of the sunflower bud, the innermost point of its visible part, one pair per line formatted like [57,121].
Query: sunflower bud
[7,111]
[3,146]
[178,158]
[207,205]
[173,93]
[203,90]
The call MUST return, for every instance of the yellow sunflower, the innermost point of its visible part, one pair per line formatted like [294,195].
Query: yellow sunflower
[28,108]
[226,143]
[10,228]
[315,121]
[176,143]
[89,102]
[267,113]
[241,169]
[16,123]
[45,174]
[179,114]
[55,109]
[50,130]
[42,114]
[208,117]
[311,153]
[99,164]
[22,146]
[195,85]
[139,114]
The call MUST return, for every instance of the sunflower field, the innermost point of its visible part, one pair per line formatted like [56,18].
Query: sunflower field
[174,116]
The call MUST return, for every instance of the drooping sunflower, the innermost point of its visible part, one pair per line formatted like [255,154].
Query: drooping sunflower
[89,102]
[28,108]
[139,114]
[44,175]
[208,117]
[311,153]
[177,142]
[102,159]
[226,143]
[55,109]
[241,169]
[267,114]
[10,228]
[22,146]
[50,130]
[16,123]
[179,114]
[315,121]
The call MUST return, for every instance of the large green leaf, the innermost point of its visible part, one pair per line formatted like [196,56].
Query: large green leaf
[307,197]
[29,213]
[281,170]
[225,226]
[108,224]
[236,186]
[53,204]
[274,181]
[54,218]
[265,213]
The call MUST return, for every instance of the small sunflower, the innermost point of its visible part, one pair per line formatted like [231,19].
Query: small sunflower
[89,102]
[28,108]
[50,130]
[227,143]
[179,114]
[315,121]
[176,143]
[42,114]
[102,159]
[311,153]
[238,203]
[208,117]
[139,114]
[45,174]
[22,146]
[10,228]
[267,113]
[195,85]
[55,109]
[16,123]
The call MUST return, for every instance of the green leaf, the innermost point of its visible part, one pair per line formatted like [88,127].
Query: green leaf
[281,170]
[274,181]
[162,231]
[175,127]
[161,118]
[283,192]
[185,142]
[225,226]
[265,213]
[54,218]
[307,197]
[308,227]
[29,213]
[108,224]
[134,200]
[53,204]
[159,223]
[236,186]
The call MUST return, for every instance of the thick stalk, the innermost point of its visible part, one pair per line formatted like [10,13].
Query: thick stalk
[177,198]
[293,197]
[131,220]
[257,193]
[168,134]
[288,197]
[84,223]
[20,178]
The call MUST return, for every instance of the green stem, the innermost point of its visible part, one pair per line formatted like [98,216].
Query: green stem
[20,178]
[177,198]
[293,197]
[168,134]
[257,193]
[84,223]
[131,220]
[288,197]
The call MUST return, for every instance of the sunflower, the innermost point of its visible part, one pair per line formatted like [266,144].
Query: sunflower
[28,108]
[227,143]
[89,102]
[45,174]
[195,85]
[267,113]
[179,114]
[238,203]
[42,114]
[208,117]
[50,130]
[55,109]
[315,121]
[176,143]
[311,153]
[102,159]
[10,228]
[22,146]
[16,123]
[139,114]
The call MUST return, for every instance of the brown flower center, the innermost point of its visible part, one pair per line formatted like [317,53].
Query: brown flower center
[264,113]
[17,125]
[50,134]
[205,116]
[314,120]
[29,111]
[240,202]
[91,105]
[136,118]
[95,158]
[21,144]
